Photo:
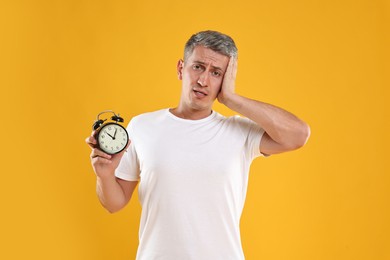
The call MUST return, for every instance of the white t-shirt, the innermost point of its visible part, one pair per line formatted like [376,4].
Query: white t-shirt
[193,180]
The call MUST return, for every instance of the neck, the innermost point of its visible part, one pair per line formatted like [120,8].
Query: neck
[190,113]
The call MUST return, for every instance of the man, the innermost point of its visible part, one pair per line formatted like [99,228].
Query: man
[193,163]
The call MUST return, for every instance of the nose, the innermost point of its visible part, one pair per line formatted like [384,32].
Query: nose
[204,79]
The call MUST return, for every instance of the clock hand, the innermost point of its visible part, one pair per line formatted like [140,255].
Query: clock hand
[111,136]
[115,132]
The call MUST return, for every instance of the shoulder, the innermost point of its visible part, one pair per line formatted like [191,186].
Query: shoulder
[148,117]
[241,125]
[238,121]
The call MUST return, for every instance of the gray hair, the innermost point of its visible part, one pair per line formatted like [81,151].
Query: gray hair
[213,40]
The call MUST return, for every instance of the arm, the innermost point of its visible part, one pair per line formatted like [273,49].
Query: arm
[283,130]
[112,192]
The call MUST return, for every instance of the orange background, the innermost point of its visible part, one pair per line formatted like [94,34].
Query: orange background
[62,62]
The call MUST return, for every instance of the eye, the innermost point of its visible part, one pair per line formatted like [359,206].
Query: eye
[216,73]
[196,67]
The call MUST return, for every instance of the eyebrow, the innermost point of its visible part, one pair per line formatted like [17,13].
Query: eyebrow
[205,64]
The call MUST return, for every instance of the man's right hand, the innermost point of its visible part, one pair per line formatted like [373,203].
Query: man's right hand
[103,164]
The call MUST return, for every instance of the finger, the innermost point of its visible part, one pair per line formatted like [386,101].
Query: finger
[229,76]
[127,146]
[98,153]
[91,140]
[100,160]
[233,63]
[229,69]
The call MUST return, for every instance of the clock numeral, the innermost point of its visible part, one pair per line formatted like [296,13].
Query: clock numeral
[112,148]
[103,136]
[117,147]
[106,146]
[124,134]
[122,144]
[109,128]
[124,139]
[102,142]
[120,129]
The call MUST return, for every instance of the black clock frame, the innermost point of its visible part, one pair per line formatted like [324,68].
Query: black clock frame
[98,135]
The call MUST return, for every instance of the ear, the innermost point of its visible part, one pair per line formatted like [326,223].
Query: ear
[180,65]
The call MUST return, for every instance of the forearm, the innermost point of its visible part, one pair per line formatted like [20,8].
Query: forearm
[110,193]
[282,126]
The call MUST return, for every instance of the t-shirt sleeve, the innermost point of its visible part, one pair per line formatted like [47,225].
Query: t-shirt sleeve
[128,168]
[253,134]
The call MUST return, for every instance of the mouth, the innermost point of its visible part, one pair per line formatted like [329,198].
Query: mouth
[199,93]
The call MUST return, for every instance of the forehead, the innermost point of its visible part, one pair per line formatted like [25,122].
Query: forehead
[208,56]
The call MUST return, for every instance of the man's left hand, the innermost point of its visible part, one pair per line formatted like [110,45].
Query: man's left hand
[229,81]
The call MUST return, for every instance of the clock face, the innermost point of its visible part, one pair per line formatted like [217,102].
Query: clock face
[112,138]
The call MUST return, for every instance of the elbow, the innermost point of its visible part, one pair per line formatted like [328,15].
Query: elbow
[113,210]
[300,138]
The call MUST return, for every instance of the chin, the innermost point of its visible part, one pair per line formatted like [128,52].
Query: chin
[201,106]
[197,104]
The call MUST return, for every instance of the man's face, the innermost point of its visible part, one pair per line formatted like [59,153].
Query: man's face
[202,74]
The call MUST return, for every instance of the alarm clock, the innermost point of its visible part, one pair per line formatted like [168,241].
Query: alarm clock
[111,136]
